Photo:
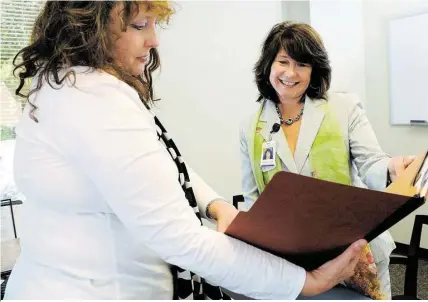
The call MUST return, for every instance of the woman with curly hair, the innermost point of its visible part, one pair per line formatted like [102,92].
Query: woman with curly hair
[112,210]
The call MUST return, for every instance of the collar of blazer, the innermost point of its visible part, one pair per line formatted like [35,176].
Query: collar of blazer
[311,122]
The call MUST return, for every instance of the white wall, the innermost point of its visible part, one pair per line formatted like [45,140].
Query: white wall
[296,11]
[340,25]
[206,83]
[396,140]
[376,15]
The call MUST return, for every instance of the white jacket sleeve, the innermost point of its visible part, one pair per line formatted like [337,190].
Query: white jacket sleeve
[114,142]
[367,155]
[249,185]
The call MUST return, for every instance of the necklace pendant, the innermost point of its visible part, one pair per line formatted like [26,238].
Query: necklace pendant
[288,121]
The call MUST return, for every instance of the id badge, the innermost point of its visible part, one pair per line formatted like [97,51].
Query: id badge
[267,162]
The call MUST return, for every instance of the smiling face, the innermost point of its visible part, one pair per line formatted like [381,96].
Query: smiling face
[289,78]
[131,47]
[293,63]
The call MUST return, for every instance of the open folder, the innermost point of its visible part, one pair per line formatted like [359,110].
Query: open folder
[309,221]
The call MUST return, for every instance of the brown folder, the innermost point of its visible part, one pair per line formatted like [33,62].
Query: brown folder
[309,221]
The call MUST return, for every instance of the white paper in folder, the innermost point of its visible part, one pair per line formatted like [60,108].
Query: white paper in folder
[421,180]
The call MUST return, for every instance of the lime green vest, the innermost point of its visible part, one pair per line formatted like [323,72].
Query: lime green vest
[328,156]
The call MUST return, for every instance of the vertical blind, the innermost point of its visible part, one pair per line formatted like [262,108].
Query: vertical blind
[17,19]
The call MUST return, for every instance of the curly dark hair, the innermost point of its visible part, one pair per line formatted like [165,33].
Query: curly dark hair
[303,44]
[73,33]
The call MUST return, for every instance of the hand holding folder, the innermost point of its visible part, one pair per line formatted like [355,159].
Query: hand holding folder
[309,221]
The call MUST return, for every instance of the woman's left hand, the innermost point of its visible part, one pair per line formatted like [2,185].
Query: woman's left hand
[224,213]
[398,164]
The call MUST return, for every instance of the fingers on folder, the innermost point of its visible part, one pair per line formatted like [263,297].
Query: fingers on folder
[349,258]
[344,264]
[354,252]
[334,271]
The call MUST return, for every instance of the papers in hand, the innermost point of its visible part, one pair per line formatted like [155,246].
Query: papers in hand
[421,180]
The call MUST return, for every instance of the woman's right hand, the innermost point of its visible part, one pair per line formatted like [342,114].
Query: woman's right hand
[333,272]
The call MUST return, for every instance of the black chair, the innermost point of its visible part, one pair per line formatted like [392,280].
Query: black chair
[10,203]
[411,260]
[236,200]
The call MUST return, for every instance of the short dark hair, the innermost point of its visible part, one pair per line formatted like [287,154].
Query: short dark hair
[303,44]
[266,152]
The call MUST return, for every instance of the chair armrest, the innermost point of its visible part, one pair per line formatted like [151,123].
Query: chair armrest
[397,259]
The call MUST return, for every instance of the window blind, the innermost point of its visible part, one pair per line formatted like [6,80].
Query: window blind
[17,19]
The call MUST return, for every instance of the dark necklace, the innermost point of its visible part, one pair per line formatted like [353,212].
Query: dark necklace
[289,121]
